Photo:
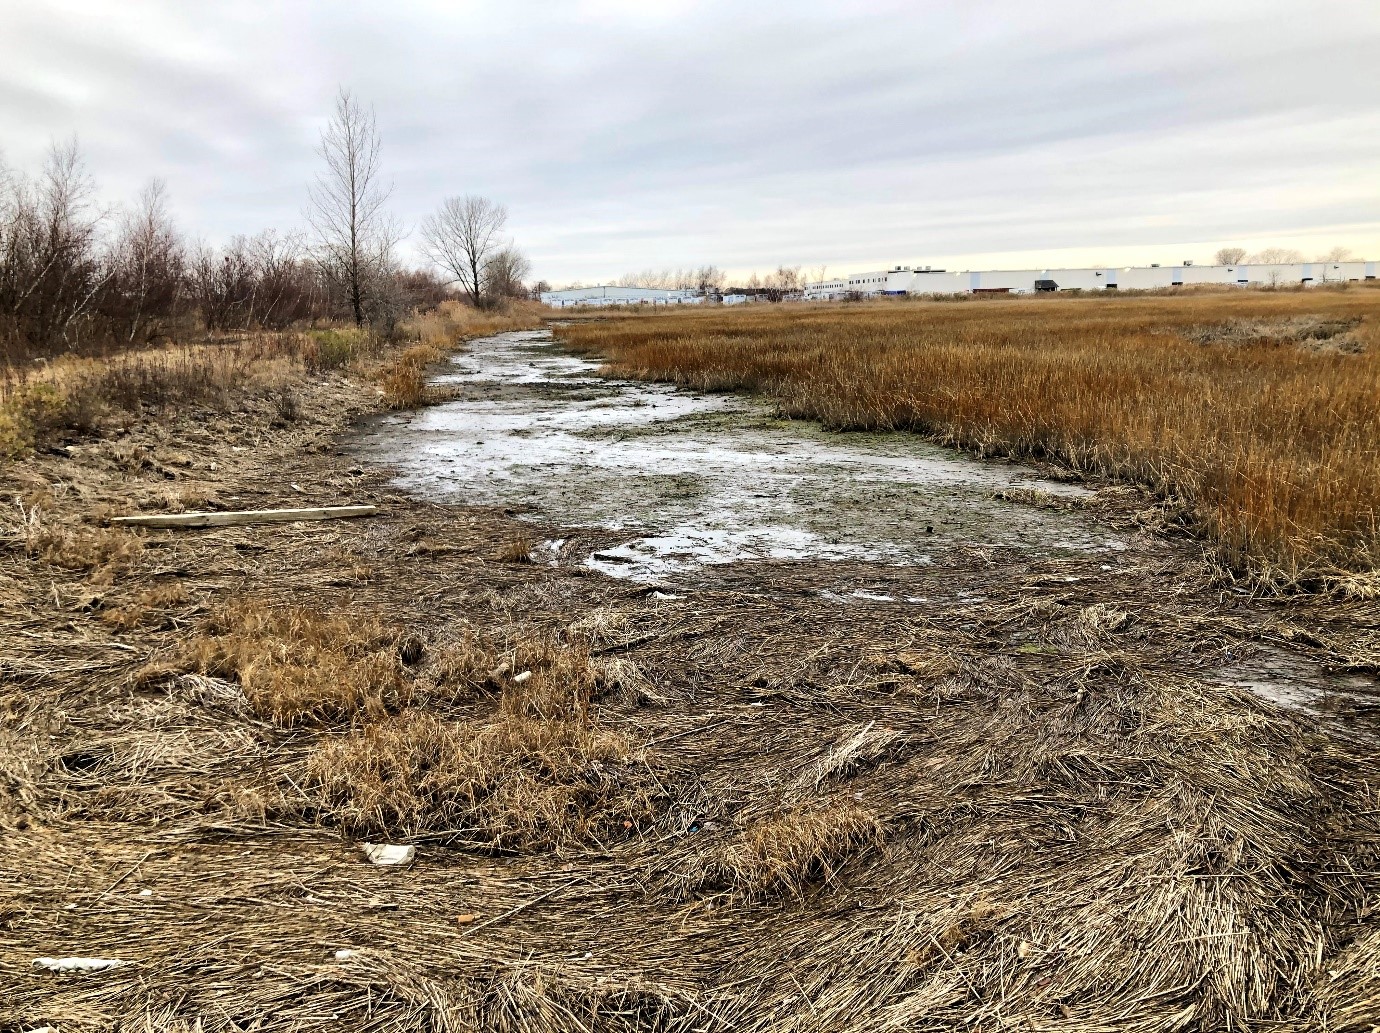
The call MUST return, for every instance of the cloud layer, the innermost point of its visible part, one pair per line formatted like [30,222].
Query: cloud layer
[629,135]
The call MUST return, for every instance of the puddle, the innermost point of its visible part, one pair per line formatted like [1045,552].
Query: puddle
[695,481]
[1295,684]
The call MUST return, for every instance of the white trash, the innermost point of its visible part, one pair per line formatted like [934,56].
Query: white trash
[387,853]
[345,954]
[77,964]
[519,679]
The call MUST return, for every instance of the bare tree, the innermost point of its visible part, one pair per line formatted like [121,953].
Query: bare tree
[355,235]
[462,236]
[503,273]
[1229,256]
[147,264]
[1338,254]
[1276,256]
[709,279]
[51,270]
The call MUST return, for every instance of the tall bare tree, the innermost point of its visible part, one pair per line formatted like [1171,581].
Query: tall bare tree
[51,269]
[355,235]
[461,237]
[1229,256]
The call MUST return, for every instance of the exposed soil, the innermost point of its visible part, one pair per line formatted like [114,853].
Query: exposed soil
[1037,768]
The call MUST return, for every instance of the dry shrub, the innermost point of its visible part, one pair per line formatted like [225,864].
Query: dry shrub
[513,781]
[404,387]
[787,853]
[1273,445]
[73,396]
[295,663]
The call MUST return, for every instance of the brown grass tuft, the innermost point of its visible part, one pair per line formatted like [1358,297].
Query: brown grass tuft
[297,664]
[518,549]
[102,553]
[536,773]
[146,606]
[788,853]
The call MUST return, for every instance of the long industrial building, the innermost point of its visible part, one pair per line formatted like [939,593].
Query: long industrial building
[924,280]
[613,295]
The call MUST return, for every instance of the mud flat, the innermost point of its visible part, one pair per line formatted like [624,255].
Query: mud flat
[684,481]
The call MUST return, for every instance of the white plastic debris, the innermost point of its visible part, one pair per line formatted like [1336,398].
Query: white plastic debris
[146,893]
[345,954]
[518,679]
[388,853]
[77,964]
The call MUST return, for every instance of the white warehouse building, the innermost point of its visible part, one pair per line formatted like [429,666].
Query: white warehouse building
[611,295]
[924,280]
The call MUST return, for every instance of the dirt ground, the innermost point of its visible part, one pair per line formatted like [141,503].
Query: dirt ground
[1046,809]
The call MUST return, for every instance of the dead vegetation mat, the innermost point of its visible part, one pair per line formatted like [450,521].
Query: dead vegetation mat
[750,808]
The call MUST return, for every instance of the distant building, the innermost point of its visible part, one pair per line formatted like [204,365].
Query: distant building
[918,280]
[611,295]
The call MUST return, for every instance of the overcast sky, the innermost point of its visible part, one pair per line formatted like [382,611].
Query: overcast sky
[632,134]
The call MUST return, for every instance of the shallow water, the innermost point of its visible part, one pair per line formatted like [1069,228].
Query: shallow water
[698,480]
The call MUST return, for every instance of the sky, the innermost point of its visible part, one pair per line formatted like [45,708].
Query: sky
[629,134]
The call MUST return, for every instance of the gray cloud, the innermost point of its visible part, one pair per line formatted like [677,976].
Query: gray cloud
[622,137]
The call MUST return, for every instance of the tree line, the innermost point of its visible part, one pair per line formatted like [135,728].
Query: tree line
[1276,256]
[79,275]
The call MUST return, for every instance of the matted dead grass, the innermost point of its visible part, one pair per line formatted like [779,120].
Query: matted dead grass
[1256,414]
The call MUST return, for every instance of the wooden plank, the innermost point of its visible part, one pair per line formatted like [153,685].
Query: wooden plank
[251,516]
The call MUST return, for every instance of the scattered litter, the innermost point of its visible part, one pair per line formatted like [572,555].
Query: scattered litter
[146,893]
[345,954]
[518,679]
[465,919]
[388,853]
[77,964]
